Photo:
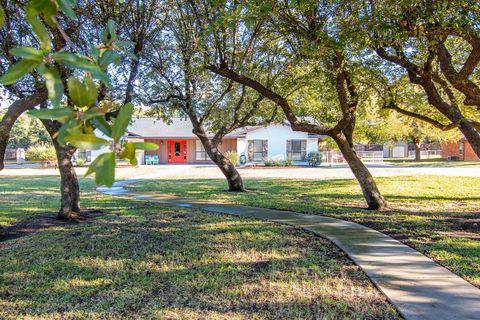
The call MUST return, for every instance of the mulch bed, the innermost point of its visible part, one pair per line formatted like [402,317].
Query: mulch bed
[45,221]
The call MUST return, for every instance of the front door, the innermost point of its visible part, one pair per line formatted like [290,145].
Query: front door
[177,151]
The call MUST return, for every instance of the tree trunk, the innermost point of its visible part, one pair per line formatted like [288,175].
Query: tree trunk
[374,199]
[235,182]
[471,134]
[416,143]
[69,188]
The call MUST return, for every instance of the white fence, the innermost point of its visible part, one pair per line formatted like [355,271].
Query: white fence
[365,156]
[426,154]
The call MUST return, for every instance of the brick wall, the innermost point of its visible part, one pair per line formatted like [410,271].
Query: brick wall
[452,149]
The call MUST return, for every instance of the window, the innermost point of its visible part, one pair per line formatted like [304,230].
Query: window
[296,149]
[460,148]
[258,150]
[201,154]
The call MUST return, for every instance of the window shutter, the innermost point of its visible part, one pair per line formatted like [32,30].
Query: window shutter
[304,149]
[250,150]
[265,150]
[289,149]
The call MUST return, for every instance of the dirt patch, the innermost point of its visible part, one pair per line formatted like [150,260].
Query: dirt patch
[45,221]
[465,223]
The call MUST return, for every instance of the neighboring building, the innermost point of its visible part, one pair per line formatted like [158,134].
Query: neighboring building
[397,149]
[458,150]
[178,144]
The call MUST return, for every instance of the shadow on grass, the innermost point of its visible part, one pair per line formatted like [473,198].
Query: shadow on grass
[158,261]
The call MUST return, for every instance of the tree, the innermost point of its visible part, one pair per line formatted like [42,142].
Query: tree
[215,107]
[300,36]
[437,45]
[70,123]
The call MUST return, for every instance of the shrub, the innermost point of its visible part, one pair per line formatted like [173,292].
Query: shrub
[314,158]
[288,163]
[269,163]
[232,156]
[44,153]
[79,162]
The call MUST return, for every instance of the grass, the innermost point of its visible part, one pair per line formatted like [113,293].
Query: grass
[435,162]
[436,215]
[150,261]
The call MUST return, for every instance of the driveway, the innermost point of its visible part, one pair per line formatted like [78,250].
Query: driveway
[339,171]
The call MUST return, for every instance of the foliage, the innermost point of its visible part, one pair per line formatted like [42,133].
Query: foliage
[232,156]
[314,158]
[27,132]
[79,162]
[278,163]
[43,152]
[81,116]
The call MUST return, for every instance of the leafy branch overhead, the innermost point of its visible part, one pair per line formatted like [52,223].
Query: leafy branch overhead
[79,114]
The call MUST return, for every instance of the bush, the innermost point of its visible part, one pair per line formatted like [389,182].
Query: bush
[44,153]
[314,158]
[232,156]
[288,163]
[79,162]
[269,163]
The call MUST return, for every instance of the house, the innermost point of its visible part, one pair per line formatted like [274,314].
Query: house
[458,150]
[178,144]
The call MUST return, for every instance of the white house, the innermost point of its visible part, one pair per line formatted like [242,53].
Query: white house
[178,144]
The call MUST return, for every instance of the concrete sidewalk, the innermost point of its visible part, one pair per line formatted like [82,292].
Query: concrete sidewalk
[417,286]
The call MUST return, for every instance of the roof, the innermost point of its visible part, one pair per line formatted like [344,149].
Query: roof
[179,127]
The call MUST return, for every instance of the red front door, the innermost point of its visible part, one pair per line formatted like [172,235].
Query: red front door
[177,151]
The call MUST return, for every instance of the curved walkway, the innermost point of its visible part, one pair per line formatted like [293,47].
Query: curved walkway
[417,286]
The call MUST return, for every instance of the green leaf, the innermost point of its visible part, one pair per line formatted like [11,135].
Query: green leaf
[41,32]
[86,141]
[65,57]
[121,122]
[67,7]
[72,126]
[29,53]
[17,71]
[82,94]
[55,86]
[76,92]
[101,124]
[128,151]
[112,30]
[124,44]
[145,145]
[51,114]
[82,62]
[91,90]
[90,114]
[104,168]
[107,57]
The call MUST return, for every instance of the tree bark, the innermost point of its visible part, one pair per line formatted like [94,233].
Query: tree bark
[373,197]
[69,187]
[416,143]
[15,110]
[235,182]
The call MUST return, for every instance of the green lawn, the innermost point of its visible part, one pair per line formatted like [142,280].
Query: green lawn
[439,216]
[150,261]
[436,162]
